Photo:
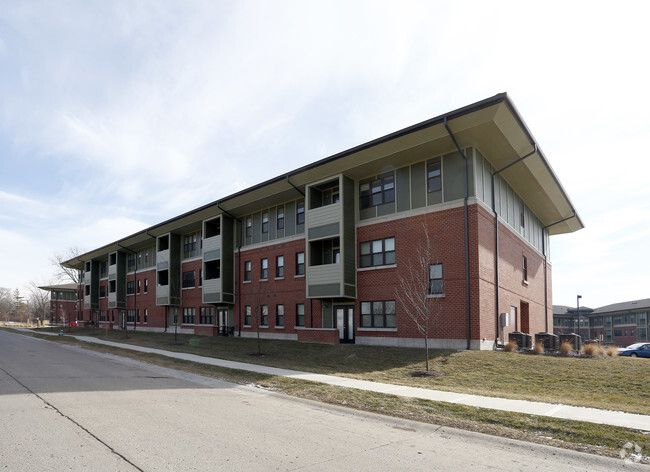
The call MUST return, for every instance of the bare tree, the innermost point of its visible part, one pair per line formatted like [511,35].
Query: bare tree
[418,288]
[260,309]
[62,272]
[38,301]
[6,303]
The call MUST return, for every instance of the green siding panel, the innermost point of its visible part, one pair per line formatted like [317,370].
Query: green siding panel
[418,185]
[453,175]
[257,227]
[386,209]
[324,290]
[290,219]
[324,231]
[403,190]
[212,297]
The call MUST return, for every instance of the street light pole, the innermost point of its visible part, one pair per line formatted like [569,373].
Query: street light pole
[578,306]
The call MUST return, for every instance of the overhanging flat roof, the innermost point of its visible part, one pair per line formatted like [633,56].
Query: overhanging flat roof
[493,125]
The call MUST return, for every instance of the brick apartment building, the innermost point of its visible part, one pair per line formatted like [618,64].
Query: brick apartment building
[620,324]
[316,254]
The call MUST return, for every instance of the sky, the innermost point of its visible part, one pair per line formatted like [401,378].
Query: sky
[118,115]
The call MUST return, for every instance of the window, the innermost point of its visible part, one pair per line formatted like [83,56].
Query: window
[191,245]
[377,253]
[112,286]
[300,263]
[436,286]
[265,221]
[188,279]
[247,315]
[103,270]
[206,315]
[300,314]
[137,315]
[139,286]
[249,226]
[146,285]
[130,316]
[279,266]
[434,176]
[200,277]
[264,272]
[247,271]
[264,319]
[213,269]
[279,315]
[522,220]
[130,262]
[102,291]
[130,287]
[189,315]
[524,266]
[377,192]
[300,212]
[280,219]
[102,315]
[380,314]
[146,315]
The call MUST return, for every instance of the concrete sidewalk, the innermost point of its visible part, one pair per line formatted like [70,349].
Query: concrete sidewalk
[592,415]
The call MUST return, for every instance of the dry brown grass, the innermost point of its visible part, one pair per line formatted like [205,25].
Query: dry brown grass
[566,349]
[593,349]
[539,348]
[511,347]
[611,351]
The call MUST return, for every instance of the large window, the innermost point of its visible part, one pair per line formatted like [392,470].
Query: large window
[265,221]
[189,315]
[264,272]
[300,212]
[206,315]
[264,320]
[300,314]
[280,218]
[436,286]
[377,253]
[130,287]
[102,291]
[249,226]
[247,271]
[279,315]
[434,176]
[189,280]
[379,314]
[300,263]
[247,315]
[377,191]
[191,245]
[279,266]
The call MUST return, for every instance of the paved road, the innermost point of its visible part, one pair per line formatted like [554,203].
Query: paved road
[65,408]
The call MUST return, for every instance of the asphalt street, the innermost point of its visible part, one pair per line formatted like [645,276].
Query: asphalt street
[66,408]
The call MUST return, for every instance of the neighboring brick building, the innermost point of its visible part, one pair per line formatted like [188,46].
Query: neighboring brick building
[621,324]
[64,303]
[316,254]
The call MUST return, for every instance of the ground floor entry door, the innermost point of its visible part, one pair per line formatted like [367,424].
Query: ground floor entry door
[345,323]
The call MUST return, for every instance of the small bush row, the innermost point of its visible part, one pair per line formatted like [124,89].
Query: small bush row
[566,349]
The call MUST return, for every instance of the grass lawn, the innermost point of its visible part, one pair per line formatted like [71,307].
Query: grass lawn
[611,383]
[607,383]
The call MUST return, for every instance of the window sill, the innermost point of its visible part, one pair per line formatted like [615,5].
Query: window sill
[247,326]
[388,266]
[385,330]
[279,278]
[187,288]
[263,280]
[279,327]
[299,276]
[245,281]
[524,282]
[436,295]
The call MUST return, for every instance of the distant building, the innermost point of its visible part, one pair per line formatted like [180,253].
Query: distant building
[64,303]
[621,324]
[314,254]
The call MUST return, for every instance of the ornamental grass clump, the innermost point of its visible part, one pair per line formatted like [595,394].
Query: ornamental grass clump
[612,351]
[511,347]
[593,350]
[566,348]
[539,348]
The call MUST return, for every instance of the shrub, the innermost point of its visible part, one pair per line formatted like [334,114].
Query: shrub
[593,349]
[539,348]
[511,347]
[612,351]
[566,348]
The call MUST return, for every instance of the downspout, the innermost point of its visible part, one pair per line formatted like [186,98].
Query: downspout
[467,300]
[291,183]
[239,244]
[496,237]
[546,263]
